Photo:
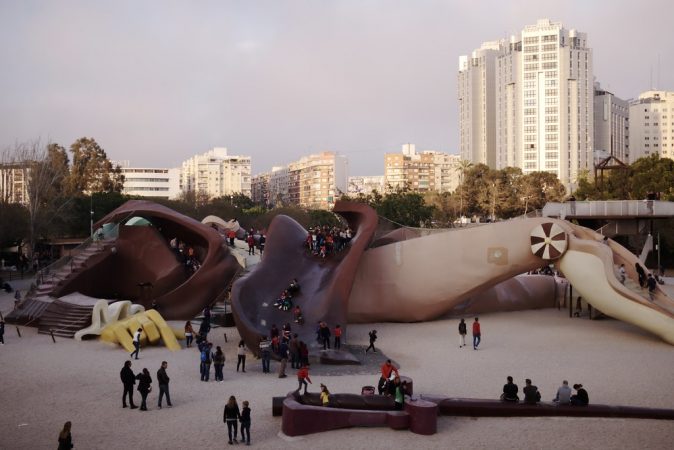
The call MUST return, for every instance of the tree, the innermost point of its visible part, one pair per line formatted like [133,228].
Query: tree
[462,167]
[91,170]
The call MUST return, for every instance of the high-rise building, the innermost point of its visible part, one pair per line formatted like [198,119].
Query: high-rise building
[151,182]
[652,125]
[420,172]
[611,125]
[543,97]
[216,174]
[279,181]
[477,104]
[259,188]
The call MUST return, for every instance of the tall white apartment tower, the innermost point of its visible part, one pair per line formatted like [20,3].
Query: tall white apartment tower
[477,104]
[652,125]
[543,101]
[611,125]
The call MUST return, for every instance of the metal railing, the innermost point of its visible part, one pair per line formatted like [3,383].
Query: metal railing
[610,208]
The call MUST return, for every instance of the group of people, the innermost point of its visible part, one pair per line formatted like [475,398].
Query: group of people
[251,241]
[186,255]
[232,416]
[284,302]
[323,335]
[144,385]
[477,333]
[324,241]
[532,395]
[285,345]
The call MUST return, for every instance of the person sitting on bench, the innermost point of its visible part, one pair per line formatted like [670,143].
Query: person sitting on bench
[531,394]
[510,391]
[581,398]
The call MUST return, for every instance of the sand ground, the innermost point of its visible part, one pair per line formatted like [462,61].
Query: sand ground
[43,384]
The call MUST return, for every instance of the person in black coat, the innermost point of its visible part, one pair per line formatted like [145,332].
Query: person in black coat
[144,387]
[510,391]
[231,416]
[128,380]
[581,398]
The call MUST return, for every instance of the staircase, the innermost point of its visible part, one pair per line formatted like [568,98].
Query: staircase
[65,318]
[40,298]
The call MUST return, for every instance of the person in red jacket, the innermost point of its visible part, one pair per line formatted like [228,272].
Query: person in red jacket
[251,244]
[302,378]
[386,370]
[477,334]
[338,337]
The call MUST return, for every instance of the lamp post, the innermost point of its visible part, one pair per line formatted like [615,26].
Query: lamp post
[91,210]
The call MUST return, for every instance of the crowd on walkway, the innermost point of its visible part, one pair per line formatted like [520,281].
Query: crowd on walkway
[324,240]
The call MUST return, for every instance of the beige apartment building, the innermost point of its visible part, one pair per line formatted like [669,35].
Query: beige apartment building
[314,181]
[217,174]
[652,125]
[420,172]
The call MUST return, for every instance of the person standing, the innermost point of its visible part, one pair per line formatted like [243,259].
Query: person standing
[136,343]
[283,355]
[265,353]
[563,396]
[245,420]
[189,333]
[251,244]
[641,273]
[241,354]
[65,438]
[373,338]
[144,387]
[386,369]
[163,381]
[206,362]
[231,417]
[218,363]
[623,275]
[2,332]
[462,333]
[325,335]
[128,380]
[263,240]
[338,337]
[294,349]
[325,395]
[304,353]
[652,284]
[302,378]
[399,394]
[477,334]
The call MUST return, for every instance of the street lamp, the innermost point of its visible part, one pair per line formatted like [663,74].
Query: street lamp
[91,210]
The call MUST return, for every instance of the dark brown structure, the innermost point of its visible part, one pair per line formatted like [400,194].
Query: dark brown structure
[325,283]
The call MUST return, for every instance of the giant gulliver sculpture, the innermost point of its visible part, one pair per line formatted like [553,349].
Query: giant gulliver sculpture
[424,278]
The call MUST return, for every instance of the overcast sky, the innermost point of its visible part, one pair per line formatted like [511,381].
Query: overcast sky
[155,82]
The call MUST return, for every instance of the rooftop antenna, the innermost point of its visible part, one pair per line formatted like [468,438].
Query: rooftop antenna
[657,87]
[651,80]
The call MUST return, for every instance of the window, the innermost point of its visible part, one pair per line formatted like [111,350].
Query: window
[551,74]
[551,83]
[530,156]
[530,102]
[549,47]
[551,155]
[530,48]
[550,38]
[531,40]
[551,92]
[551,110]
[529,129]
[550,164]
[551,128]
[550,137]
[550,119]
[549,65]
[529,76]
[549,56]
[531,57]
[531,67]
[529,111]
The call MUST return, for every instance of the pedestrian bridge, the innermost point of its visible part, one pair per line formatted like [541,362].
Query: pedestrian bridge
[610,209]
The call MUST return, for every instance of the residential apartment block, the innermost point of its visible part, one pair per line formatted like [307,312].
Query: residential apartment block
[151,182]
[542,97]
[652,125]
[217,174]
[420,172]
[14,183]
[611,125]
[314,181]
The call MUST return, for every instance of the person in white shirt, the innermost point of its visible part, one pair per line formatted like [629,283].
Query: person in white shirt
[136,343]
[623,275]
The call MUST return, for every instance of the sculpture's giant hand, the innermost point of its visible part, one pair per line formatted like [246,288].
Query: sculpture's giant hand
[153,325]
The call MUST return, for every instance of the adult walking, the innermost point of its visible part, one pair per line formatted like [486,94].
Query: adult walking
[373,338]
[128,380]
[136,343]
[2,332]
[241,356]
[206,362]
[477,334]
[65,438]
[231,417]
[302,378]
[324,333]
[283,355]
[462,333]
[265,353]
[163,381]
[189,333]
[144,387]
